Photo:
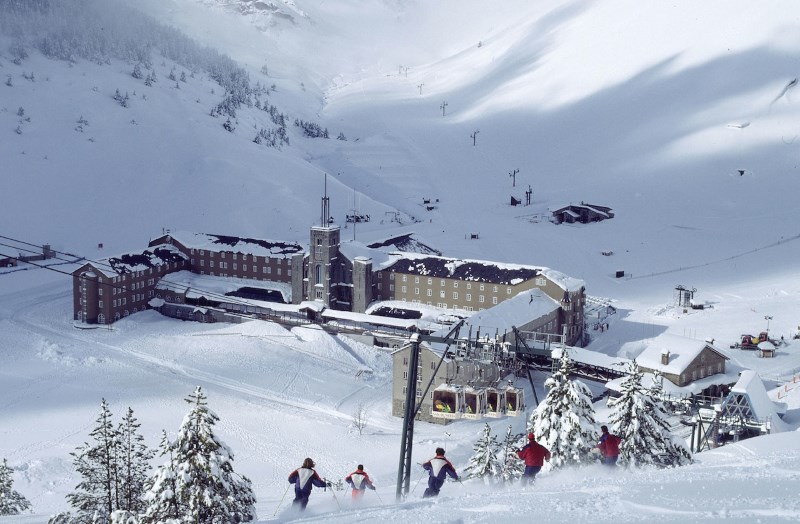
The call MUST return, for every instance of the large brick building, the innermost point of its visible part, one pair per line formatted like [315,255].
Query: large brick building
[342,276]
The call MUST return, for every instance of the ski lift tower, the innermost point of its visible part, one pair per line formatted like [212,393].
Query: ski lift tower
[411,407]
[684,296]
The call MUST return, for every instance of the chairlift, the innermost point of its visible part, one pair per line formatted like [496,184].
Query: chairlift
[495,403]
[474,403]
[515,401]
[448,402]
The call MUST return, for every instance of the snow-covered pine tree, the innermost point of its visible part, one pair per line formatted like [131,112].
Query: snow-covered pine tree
[675,453]
[207,490]
[137,71]
[511,466]
[161,504]
[98,490]
[11,502]
[484,463]
[564,421]
[133,464]
[640,420]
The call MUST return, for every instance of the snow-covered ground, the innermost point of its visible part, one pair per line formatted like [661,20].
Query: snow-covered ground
[649,109]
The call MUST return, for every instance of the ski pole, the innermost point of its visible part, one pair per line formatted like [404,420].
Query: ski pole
[281,502]
[336,499]
[417,484]
[379,497]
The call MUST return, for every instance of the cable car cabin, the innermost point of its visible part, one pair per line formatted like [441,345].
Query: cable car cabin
[515,401]
[474,403]
[495,403]
[448,402]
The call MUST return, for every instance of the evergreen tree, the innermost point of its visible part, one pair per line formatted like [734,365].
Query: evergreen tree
[162,506]
[98,490]
[133,464]
[11,502]
[137,71]
[484,463]
[640,420]
[206,489]
[564,421]
[511,466]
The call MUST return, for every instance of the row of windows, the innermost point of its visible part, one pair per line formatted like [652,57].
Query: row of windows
[266,270]
[235,256]
[481,287]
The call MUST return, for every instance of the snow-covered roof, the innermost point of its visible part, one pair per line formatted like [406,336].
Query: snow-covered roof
[212,287]
[682,352]
[234,244]
[763,407]
[131,262]
[516,311]
[475,270]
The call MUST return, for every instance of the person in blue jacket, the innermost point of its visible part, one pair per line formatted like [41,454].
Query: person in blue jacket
[438,468]
[304,478]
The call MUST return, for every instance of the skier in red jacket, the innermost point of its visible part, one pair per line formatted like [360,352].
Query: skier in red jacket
[359,481]
[534,455]
[609,447]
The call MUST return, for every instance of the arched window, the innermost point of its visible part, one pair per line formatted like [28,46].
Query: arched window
[318,272]
[101,319]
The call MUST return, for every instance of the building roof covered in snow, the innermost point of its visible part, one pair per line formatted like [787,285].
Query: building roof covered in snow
[235,244]
[131,262]
[682,352]
[516,311]
[476,270]
[215,287]
[761,405]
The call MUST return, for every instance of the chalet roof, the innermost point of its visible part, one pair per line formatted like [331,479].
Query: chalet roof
[516,311]
[131,262]
[601,210]
[682,352]
[235,244]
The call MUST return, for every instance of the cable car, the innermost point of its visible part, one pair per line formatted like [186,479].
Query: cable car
[448,402]
[515,401]
[495,403]
[474,403]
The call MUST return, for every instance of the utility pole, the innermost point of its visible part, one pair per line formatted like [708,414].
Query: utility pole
[419,86]
[767,318]
[528,195]
[513,175]
[473,136]
[444,105]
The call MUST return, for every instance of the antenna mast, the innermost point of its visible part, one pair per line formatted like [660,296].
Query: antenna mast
[326,205]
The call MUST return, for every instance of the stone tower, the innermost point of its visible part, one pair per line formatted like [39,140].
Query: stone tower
[323,257]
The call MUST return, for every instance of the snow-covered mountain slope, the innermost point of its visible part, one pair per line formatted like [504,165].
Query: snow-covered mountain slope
[680,117]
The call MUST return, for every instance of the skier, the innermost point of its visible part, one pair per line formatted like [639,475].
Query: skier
[359,481]
[609,447]
[534,455]
[438,468]
[304,478]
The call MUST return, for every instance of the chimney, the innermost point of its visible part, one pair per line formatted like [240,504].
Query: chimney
[665,357]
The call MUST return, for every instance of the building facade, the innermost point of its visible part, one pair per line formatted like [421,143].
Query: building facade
[346,277]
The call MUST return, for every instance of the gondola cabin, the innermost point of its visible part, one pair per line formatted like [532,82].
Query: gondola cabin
[448,402]
[474,403]
[515,401]
[495,403]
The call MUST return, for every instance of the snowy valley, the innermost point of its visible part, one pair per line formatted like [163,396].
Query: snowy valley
[681,118]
